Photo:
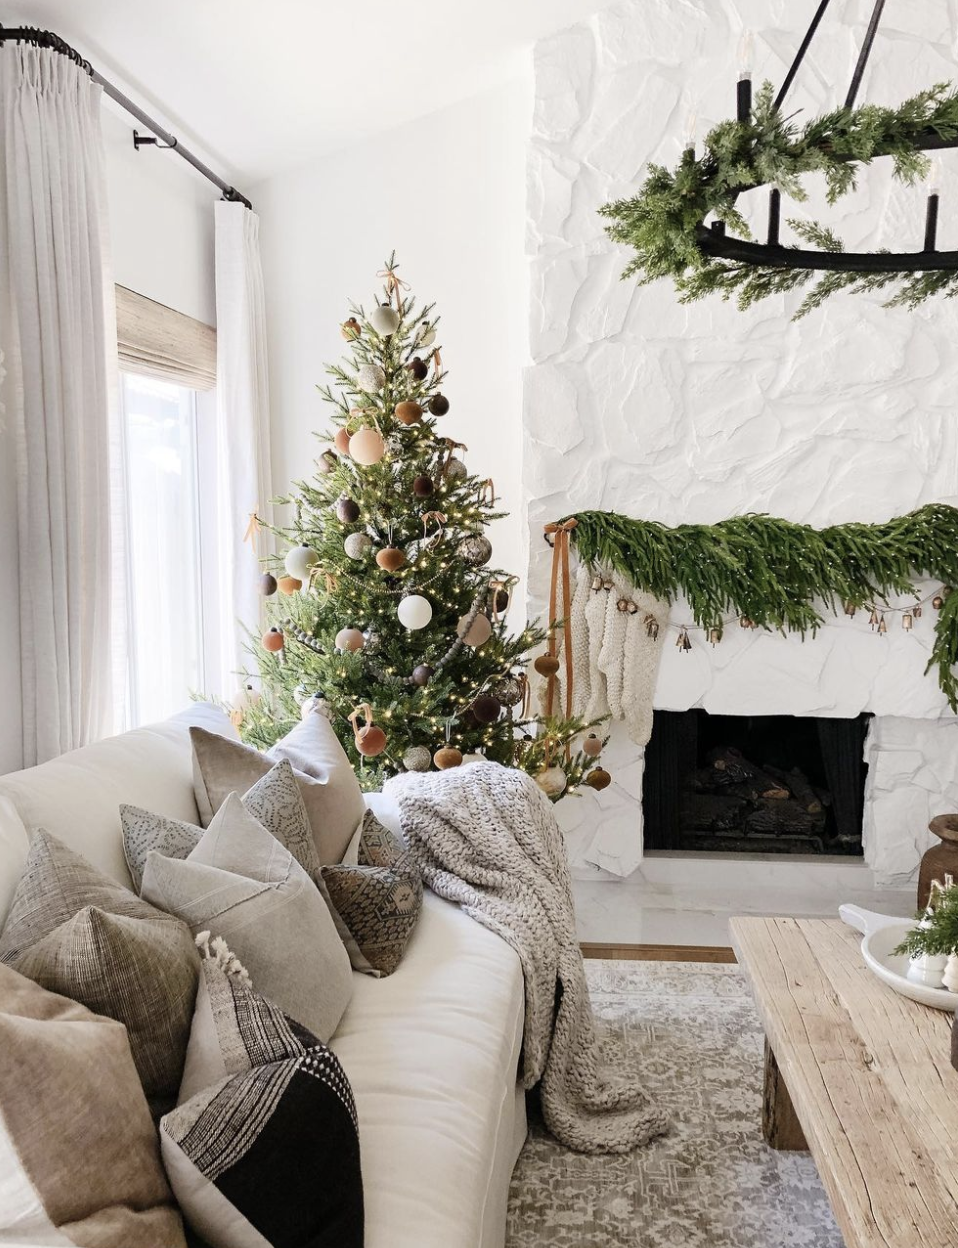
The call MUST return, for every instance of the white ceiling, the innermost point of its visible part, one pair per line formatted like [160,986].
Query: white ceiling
[261,87]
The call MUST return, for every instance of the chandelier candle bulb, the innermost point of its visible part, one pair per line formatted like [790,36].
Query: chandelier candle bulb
[774,216]
[931,222]
[743,91]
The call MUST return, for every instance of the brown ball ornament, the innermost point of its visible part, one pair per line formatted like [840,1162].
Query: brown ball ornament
[391,558]
[598,779]
[370,740]
[423,486]
[418,368]
[447,757]
[486,708]
[546,665]
[351,329]
[502,600]
[341,440]
[347,510]
[592,746]
[288,584]
[408,412]
[439,405]
[327,462]
[267,584]
[422,674]
[274,640]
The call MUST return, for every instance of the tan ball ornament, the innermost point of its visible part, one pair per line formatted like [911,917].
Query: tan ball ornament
[592,746]
[598,779]
[341,440]
[477,633]
[390,558]
[408,412]
[273,639]
[370,739]
[367,447]
[447,757]
[351,329]
[289,584]
[350,639]
[552,781]
[546,665]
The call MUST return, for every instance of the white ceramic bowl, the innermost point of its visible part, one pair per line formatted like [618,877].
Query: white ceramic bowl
[881,934]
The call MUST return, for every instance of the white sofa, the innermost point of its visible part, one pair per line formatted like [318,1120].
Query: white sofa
[432,1051]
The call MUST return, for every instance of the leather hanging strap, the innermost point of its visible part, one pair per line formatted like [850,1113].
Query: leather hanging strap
[561,582]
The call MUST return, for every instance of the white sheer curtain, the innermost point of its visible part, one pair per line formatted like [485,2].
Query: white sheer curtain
[56,330]
[242,407]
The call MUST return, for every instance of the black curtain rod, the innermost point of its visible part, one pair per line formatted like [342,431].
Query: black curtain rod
[47,39]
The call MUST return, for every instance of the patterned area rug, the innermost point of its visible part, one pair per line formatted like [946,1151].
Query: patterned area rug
[689,1033]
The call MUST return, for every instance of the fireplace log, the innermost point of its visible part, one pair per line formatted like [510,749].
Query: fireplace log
[787,818]
[800,788]
[713,812]
[731,770]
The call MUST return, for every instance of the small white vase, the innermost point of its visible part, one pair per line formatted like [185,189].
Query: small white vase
[950,977]
[927,969]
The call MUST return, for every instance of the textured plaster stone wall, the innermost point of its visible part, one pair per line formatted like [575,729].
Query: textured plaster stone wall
[637,404]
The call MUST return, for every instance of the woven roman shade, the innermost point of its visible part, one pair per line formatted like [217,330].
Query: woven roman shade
[157,341]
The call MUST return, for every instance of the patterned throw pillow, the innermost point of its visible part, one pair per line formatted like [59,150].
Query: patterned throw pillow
[81,1161]
[379,898]
[269,1152]
[78,933]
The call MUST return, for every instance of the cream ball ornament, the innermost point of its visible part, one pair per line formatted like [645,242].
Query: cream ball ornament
[552,781]
[371,378]
[350,639]
[384,319]
[357,545]
[414,611]
[417,758]
[316,704]
[477,633]
[300,562]
[245,697]
[366,447]
[426,336]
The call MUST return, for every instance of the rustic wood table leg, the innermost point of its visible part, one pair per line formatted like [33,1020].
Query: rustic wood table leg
[780,1125]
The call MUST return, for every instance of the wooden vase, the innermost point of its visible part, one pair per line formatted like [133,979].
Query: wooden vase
[940,860]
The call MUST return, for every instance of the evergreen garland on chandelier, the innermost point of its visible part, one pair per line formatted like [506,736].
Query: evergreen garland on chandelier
[663,222]
[777,574]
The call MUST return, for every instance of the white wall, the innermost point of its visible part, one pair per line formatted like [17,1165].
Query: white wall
[447,192]
[161,229]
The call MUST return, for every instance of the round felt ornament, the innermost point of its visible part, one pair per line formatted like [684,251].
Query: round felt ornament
[341,440]
[274,640]
[447,757]
[422,674]
[552,780]
[350,639]
[245,697]
[546,665]
[390,558]
[267,584]
[418,368]
[384,319]
[408,411]
[486,708]
[357,545]
[414,611]
[417,758]
[477,633]
[423,486]
[327,462]
[475,550]
[350,329]
[315,705]
[289,584]
[598,779]
[426,336]
[367,447]
[347,510]
[592,746]
[300,562]
[439,405]
[371,378]
[370,740]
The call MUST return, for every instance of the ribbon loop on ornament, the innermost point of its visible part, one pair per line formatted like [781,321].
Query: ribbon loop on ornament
[451,447]
[394,285]
[438,519]
[487,492]
[252,529]
[437,361]
[364,712]
[332,582]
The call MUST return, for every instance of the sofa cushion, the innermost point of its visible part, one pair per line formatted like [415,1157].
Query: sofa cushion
[334,800]
[377,892]
[77,933]
[432,1055]
[242,884]
[268,1153]
[79,1158]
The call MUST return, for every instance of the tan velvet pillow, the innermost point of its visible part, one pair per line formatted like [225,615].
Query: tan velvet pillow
[78,1151]
[331,792]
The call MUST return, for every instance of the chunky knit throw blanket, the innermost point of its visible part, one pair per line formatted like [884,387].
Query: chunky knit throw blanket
[485,837]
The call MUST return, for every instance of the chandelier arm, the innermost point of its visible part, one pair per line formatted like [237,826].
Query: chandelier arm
[800,54]
[864,53]
[724,246]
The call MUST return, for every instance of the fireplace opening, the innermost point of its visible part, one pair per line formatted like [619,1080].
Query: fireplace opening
[778,784]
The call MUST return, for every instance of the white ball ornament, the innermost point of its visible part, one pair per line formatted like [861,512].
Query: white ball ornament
[371,378]
[315,705]
[473,758]
[476,634]
[350,639]
[417,758]
[384,319]
[300,561]
[414,611]
[245,697]
[356,545]
[552,781]
[366,447]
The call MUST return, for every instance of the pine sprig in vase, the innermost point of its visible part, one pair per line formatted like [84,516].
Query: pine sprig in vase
[386,612]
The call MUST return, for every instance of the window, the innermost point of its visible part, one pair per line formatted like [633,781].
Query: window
[164,542]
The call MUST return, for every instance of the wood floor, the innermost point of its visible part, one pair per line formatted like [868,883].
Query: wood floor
[658,953]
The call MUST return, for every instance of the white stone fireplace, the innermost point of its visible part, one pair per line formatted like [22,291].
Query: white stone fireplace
[636,404]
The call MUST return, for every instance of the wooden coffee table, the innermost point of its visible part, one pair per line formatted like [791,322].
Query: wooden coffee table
[860,1073]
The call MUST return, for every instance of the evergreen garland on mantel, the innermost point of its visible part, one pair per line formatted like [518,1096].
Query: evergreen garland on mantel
[779,574]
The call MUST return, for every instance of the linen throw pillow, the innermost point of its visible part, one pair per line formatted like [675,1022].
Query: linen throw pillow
[78,933]
[79,1155]
[263,1147]
[379,899]
[330,790]
[242,883]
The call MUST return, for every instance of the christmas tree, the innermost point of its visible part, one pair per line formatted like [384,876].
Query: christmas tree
[384,612]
